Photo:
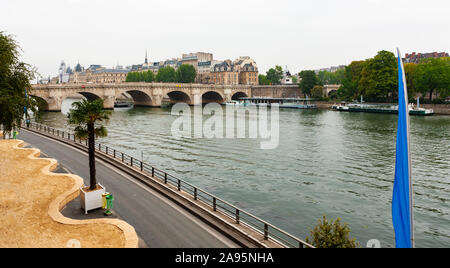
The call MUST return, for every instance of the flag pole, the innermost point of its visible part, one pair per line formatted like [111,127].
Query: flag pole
[411,193]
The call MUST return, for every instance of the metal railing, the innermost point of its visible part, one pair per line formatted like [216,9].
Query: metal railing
[239,216]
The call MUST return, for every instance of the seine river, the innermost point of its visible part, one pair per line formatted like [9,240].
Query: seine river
[333,163]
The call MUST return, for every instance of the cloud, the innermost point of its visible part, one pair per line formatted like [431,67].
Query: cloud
[375,2]
[73,2]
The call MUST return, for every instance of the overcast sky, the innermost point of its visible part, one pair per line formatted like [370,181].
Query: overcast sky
[294,33]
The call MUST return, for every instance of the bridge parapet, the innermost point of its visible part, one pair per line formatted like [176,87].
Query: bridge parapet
[139,85]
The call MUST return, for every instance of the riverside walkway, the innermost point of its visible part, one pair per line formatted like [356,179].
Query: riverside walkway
[159,222]
[165,211]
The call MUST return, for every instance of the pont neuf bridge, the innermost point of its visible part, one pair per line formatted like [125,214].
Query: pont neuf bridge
[153,94]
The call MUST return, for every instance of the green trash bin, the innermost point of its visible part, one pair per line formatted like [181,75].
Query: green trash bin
[109,204]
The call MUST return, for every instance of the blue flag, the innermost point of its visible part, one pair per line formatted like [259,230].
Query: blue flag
[402,216]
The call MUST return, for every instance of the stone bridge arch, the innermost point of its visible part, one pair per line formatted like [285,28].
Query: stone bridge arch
[332,94]
[179,96]
[213,97]
[238,95]
[140,98]
[73,94]
[88,95]
[42,103]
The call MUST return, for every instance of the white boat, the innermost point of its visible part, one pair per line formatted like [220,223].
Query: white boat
[413,110]
[232,103]
[123,106]
[237,103]
[293,103]
[419,111]
[380,108]
[297,104]
[340,107]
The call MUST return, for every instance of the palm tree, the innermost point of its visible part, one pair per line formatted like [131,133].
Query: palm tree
[84,116]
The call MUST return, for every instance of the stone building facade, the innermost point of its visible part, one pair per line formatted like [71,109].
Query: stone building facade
[109,76]
[242,71]
[99,74]
[417,57]
[248,74]
[224,73]
[199,56]
[204,70]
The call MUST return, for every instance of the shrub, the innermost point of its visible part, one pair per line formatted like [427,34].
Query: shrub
[317,92]
[331,235]
[438,101]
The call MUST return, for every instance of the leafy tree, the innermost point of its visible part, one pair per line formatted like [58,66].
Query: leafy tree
[331,78]
[309,80]
[263,80]
[186,73]
[352,75]
[147,77]
[317,92]
[275,75]
[379,77]
[86,116]
[433,75]
[166,75]
[15,79]
[132,77]
[331,235]
[410,73]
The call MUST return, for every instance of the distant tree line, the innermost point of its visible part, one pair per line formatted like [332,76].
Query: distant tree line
[184,74]
[147,77]
[331,78]
[428,77]
[312,83]
[377,78]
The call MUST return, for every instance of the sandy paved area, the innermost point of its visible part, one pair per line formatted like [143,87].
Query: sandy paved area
[31,198]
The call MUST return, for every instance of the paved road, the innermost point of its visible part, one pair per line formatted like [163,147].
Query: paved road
[158,221]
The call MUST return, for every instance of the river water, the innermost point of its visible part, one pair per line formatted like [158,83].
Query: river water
[327,163]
